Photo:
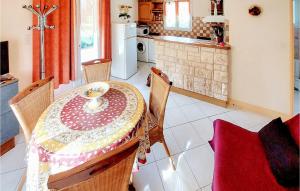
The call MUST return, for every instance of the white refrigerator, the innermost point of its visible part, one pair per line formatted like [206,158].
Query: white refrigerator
[124,50]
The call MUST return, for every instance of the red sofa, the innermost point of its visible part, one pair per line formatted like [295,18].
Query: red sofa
[240,161]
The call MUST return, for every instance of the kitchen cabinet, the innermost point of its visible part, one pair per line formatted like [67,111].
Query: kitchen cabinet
[9,125]
[151,11]
[145,11]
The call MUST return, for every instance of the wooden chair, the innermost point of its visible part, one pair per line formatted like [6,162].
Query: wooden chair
[29,104]
[159,92]
[109,172]
[96,70]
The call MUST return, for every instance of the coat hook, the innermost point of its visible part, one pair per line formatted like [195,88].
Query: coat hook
[42,26]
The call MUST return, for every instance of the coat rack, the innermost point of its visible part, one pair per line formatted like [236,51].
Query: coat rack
[42,14]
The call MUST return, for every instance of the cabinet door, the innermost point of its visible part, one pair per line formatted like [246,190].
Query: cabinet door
[145,9]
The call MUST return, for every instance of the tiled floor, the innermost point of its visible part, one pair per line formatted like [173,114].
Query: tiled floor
[188,127]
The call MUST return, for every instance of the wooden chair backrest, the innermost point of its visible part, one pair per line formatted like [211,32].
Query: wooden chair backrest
[159,92]
[96,70]
[29,104]
[108,172]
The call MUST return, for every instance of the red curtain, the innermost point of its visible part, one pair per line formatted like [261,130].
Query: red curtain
[105,29]
[59,43]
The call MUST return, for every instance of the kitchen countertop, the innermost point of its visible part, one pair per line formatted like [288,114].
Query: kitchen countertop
[189,41]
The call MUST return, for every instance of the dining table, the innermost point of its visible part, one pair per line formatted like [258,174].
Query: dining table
[70,133]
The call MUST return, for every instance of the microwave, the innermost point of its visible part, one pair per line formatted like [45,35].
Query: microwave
[143,30]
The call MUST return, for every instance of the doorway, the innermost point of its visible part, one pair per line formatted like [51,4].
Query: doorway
[296,21]
[89,30]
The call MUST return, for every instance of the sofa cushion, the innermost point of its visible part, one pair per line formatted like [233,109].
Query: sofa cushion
[240,161]
[294,127]
[281,152]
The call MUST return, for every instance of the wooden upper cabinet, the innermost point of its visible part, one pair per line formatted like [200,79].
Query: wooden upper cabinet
[145,11]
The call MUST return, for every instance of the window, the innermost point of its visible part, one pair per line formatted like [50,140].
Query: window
[178,15]
[89,30]
[296,18]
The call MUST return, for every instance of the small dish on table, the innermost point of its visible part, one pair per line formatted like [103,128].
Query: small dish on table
[94,92]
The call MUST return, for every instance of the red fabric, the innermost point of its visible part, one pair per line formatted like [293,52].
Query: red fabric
[59,43]
[240,161]
[294,127]
[105,30]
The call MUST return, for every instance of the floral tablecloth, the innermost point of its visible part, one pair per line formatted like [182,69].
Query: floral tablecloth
[68,133]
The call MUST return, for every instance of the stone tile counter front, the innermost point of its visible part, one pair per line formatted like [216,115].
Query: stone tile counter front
[194,65]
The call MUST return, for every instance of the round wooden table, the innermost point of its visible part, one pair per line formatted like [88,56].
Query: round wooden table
[68,133]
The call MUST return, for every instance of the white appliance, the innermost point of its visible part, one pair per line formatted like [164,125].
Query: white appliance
[143,30]
[142,49]
[145,49]
[151,51]
[124,57]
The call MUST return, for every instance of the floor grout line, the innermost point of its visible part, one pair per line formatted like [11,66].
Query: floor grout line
[161,180]
[11,171]
[177,153]
[197,120]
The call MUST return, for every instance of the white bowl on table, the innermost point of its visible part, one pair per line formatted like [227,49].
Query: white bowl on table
[94,92]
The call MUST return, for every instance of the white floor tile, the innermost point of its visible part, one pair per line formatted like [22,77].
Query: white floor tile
[148,179]
[204,128]
[206,188]
[182,100]
[9,181]
[175,116]
[158,149]
[223,116]
[187,137]
[20,138]
[201,162]
[192,112]
[13,159]
[180,179]
[247,119]
[171,103]
[210,109]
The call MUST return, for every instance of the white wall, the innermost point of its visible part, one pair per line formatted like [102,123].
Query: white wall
[261,69]
[115,10]
[201,8]
[14,21]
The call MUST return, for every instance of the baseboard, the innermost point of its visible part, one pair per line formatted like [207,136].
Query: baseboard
[7,146]
[199,96]
[257,109]
[233,103]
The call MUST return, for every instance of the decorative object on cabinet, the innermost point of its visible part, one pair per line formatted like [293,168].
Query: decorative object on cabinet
[217,7]
[218,33]
[42,14]
[124,12]
[255,10]
[216,14]
[9,126]
[158,11]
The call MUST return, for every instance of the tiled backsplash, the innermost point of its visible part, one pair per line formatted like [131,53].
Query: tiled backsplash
[199,28]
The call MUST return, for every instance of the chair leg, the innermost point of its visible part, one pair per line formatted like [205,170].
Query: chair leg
[21,184]
[168,152]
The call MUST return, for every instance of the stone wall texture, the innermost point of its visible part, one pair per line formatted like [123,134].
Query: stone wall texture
[197,69]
